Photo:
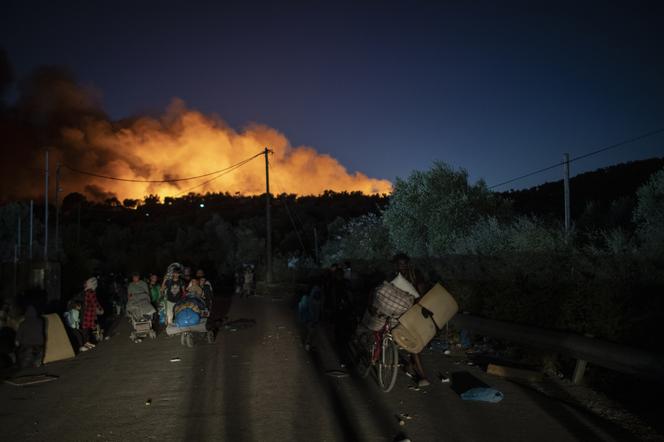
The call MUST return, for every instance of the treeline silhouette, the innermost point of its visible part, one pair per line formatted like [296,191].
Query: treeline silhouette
[603,198]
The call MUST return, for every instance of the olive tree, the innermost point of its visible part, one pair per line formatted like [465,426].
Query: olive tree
[431,210]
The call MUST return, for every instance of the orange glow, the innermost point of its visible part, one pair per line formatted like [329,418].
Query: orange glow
[184,143]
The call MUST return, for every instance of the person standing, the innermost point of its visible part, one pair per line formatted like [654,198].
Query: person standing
[206,286]
[406,269]
[248,281]
[156,297]
[173,290]
[91,309]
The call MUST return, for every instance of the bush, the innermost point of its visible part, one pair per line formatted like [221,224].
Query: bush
[649,215]
[524,235]
[429,211]
[362,238]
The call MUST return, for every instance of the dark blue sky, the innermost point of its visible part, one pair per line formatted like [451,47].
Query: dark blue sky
[384,87]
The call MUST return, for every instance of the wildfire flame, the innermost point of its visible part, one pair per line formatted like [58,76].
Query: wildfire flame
[183,143]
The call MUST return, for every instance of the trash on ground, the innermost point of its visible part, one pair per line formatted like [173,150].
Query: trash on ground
[148,402]
[411,387]
[484,394]
[447,352]
[438,345]
[444,379]
[21,381]
[239,324]
[514,373]
[175,359]
[337,373]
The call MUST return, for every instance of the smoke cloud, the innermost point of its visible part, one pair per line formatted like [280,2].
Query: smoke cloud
[54,111]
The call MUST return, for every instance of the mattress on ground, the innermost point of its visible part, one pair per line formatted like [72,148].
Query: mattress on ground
[58,346]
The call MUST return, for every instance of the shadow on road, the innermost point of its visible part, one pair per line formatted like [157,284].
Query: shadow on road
[364,395]
[218,398]
[571,415]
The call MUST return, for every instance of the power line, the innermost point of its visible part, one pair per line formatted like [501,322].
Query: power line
[589,154]
[290,217]
[223,173]
[173,180]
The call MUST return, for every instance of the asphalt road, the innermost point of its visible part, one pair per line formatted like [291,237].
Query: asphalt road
[259,384]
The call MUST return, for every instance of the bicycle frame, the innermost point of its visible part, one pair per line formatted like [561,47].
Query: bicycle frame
[378,335]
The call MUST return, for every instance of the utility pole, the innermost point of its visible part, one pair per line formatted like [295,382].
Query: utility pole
[78,226]
[46,210]
[268,218]
[18,239]
[57,211]
[15,273]
[30,234]
[566,185]
[316,245]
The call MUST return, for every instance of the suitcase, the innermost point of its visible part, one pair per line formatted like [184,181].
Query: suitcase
[421,322]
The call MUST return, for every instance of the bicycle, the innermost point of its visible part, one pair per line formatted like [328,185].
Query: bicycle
[382,354]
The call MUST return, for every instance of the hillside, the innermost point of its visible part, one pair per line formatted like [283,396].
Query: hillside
[604,196]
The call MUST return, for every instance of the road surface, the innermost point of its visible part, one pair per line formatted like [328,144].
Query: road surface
[259,384]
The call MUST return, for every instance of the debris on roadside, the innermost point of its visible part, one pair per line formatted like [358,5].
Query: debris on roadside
[483,394]
[175,359]
[439,345]
[337,373]
[514,373]
[148,402]
[21,381]
[239,324]
[405,416]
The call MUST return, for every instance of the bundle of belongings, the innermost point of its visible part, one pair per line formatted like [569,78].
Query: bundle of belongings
[414,320]
[390,301]
[190,310]
[139,307]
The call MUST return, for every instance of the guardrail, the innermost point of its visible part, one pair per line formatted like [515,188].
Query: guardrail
[585,349]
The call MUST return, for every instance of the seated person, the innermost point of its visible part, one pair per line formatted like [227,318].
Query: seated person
[30,339]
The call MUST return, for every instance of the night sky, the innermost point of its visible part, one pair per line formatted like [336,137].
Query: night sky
[385,87]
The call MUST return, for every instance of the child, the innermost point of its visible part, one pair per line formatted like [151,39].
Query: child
[30,339]
[92,309]
[73,322]
[173,289]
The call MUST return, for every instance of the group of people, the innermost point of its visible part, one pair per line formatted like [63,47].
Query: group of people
[81,317]
[245,283]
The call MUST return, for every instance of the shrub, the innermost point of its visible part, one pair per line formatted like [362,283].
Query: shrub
[430,210]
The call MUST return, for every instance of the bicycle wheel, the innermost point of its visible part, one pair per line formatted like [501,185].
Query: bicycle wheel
[389,364]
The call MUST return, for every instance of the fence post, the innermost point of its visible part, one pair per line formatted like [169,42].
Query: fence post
[579,370]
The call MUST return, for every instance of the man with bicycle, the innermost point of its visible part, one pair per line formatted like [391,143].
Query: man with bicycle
[406,269]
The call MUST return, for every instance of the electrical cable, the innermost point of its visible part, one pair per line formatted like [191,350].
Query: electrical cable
[223,173]
[290,216]
[173,180]
[589,154]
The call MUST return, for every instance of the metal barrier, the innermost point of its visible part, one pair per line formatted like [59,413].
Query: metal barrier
[585,349]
